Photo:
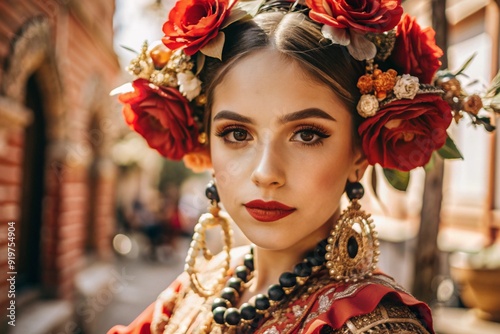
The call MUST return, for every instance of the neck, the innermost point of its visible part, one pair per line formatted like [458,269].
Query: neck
[270,264]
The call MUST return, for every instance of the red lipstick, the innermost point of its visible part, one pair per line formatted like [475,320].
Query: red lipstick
[268,211]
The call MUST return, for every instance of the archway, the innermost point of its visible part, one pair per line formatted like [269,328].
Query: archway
[31,83]
[29,265]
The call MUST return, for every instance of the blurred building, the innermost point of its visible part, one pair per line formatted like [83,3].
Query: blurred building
[56,127]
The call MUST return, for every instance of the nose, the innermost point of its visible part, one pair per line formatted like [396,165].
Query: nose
[268,172]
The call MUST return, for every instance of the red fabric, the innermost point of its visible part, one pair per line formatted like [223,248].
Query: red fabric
[342,304]
[363,302]
[142,324]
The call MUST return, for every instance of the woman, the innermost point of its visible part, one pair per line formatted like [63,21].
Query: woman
[297,100]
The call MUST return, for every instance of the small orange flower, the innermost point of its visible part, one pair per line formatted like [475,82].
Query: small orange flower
[198,161]
[383,84]
[392,73]
[365,84]
[451,87]
[473,104]
[376,72]
[160,55]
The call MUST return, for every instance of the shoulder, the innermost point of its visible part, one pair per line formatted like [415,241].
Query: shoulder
[342,306]
[390,316]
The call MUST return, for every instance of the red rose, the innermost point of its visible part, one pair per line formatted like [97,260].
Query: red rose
[193,23]
[361,15]
[162,116]
[415,51]
[404,133]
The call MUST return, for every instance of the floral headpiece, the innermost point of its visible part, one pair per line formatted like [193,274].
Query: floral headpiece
[406,103]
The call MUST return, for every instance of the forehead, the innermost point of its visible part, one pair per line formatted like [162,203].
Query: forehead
[271,81]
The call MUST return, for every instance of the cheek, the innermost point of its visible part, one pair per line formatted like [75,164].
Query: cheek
[227,167]
[326,174]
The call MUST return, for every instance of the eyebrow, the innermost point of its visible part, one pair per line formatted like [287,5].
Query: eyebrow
[233,116]
[294,116]
[306,113]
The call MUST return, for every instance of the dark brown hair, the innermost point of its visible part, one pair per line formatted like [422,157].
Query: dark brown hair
[296,37]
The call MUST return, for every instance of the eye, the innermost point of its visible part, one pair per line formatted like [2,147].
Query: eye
[309,135]
[234,134]
[240,135]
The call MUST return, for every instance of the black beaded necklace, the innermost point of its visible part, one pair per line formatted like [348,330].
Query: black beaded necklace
[224,312]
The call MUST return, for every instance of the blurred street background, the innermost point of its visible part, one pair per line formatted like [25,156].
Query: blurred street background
[94,224]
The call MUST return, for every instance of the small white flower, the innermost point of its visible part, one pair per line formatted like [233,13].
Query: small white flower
[406,87]
[336,35]
[357,44]
[367,105]
[297,310]
[146,68]
[272,330]
[189,84]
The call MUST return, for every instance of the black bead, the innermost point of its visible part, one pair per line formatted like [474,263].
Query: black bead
[232,316]
[352,247]
[230,294]
[303,269]
[211,192]
[242,273]
[247,311]
[314,261]
[219,315]
[288,280]
[276,292]
[320,252]
[235,283]
[219,302]
[248,262]
[354,190]
[262,302]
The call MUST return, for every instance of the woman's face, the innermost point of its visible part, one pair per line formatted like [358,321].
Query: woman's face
[282,151]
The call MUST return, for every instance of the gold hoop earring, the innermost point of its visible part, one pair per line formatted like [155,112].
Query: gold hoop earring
[353,247]
[198,244]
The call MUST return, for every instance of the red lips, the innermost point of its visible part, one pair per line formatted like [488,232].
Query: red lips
[268,211]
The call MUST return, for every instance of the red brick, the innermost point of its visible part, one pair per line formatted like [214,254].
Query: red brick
[9,193]
[75,204]
[9,212]
[11,155]
[10,174]
[74,189]
[15,137]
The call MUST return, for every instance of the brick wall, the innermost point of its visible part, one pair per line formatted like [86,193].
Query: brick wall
[10,185]
[75,68]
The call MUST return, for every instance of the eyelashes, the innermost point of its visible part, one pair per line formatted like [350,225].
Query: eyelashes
[307,135]
[310,135]
[233,134]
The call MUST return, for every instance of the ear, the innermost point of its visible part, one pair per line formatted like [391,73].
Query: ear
[360,164]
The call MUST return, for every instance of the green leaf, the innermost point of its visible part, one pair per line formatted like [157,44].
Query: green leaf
[200,62]
[486,122]
[398,179]
[450,150]
[129,49]
[214,47]
[250,6]
[494,89]
[235,15]
[431,163]
[466,64]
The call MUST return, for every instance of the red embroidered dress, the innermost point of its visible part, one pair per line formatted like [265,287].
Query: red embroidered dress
[322,305]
